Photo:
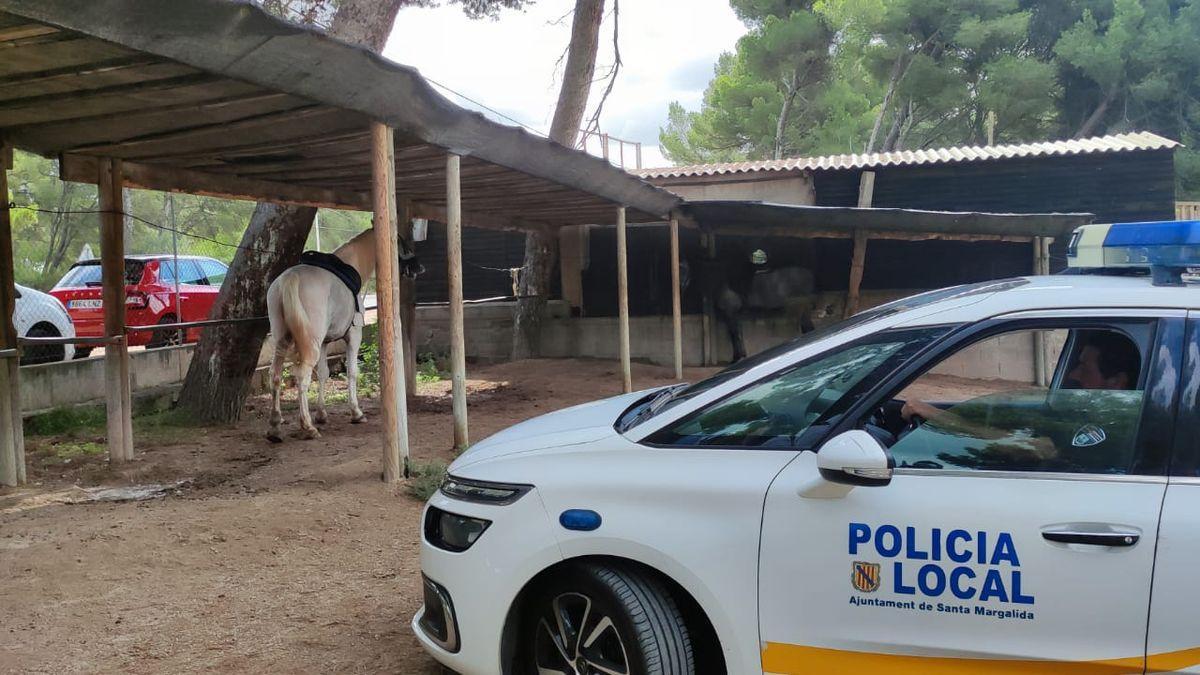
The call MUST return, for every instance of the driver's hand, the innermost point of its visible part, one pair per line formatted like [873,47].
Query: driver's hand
[919,409]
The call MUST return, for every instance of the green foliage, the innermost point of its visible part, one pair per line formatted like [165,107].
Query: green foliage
[906,74]
[368,370]
[65,420]
[427,369]
[425,478]
[68,450]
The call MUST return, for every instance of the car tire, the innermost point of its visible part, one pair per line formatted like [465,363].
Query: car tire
[164,338]
[613,615]
[42,353]
[82,352]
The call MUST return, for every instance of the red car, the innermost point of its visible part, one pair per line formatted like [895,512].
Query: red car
[149,296]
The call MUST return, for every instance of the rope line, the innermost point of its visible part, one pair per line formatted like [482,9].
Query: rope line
[13,205]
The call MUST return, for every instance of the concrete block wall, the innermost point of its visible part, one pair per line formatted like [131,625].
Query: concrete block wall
[55,385]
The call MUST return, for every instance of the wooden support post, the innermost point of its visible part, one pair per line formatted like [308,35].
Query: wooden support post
[623,301]
[458,348]
[393,408]
[866,196]
[12,437]
[676,312]
[408,302]
[112,270]
[708,341]
[1041,265]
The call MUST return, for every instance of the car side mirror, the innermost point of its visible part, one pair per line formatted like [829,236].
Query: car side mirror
[850,459]
[855,457]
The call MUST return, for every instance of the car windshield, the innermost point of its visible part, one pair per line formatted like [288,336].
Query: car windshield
[643,410]
[88,274]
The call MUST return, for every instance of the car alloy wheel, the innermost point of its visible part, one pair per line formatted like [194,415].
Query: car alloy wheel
[603,618]
[576,638]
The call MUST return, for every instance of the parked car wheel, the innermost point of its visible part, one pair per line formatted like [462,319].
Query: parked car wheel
[595,618]
[164,338]
[42,353]
[83,352]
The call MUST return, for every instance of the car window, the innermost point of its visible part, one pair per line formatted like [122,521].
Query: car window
[886,309]
[214,271]
[166,272]
[190,273]
[89,274]
[776,410]
[995,405]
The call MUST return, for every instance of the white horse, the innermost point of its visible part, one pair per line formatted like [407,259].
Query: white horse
[309,307]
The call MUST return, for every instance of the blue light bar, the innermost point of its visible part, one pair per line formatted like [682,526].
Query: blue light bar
[1166,248]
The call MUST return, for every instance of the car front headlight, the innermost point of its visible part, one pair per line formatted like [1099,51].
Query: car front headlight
[483,492]
[452,532]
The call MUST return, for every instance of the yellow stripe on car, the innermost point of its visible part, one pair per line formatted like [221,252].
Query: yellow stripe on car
[785,659]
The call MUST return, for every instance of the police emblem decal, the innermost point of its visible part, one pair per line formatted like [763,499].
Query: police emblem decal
[1088,435]
[864,576]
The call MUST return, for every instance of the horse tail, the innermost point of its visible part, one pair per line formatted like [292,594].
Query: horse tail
[296,319]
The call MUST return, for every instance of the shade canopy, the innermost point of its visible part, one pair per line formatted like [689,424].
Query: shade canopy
[765,219]
[218,97]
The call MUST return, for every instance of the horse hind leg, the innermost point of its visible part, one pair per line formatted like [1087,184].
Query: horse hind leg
[353,342]
[277,361]
[322,377]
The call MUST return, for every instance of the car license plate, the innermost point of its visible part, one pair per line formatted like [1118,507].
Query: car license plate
[85,304]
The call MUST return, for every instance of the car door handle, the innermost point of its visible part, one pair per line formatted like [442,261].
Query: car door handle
[1118,539]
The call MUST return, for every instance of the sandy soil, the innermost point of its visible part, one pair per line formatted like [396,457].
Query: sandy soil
[273,558]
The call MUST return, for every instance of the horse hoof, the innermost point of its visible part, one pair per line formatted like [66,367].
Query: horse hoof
[358,420]
[312,434]
[321,420]
[274,437]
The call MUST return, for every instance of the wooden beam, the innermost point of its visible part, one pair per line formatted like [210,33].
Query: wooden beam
[112,266]
[458,352]
[12,441]
[857,263]
[489,221]
[67,72]
[25,31]
[97,119]
[393,408]
[623,302]
[866,192]
[125,89]
[820,233]
[753,219]
[248,122]
[676,312]
[408,302]
[81,169]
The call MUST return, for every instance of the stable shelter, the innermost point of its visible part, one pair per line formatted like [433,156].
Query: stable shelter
[219,98]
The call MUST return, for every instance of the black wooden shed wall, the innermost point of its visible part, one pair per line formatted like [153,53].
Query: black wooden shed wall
[487,257]
[1117,187]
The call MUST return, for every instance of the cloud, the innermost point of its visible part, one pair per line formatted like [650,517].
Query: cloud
[668,48]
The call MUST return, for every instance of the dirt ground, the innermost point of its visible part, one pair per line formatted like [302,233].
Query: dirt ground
[272,558]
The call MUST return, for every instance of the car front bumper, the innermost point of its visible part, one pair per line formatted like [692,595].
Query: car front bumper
[481,583]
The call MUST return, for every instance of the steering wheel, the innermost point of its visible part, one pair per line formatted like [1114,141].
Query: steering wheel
[913,423]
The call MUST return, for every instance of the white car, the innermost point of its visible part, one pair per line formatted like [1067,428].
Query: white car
[39,314]
[999,477]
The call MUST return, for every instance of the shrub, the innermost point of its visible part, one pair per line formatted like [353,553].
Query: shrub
[425,478]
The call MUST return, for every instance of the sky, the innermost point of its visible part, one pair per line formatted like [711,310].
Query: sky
[668,50]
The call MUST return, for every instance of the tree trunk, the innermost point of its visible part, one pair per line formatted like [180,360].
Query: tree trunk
[541,248]
[218,379]
[785,112]
[1089,125]
[897,72]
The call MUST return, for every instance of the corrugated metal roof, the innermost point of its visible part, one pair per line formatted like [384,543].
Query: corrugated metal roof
[1142,140]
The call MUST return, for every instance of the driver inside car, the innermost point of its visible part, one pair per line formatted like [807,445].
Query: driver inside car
[1107,361]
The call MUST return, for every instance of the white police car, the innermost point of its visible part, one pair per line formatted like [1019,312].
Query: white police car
[999,477]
